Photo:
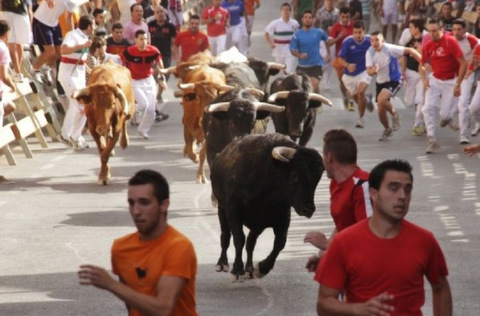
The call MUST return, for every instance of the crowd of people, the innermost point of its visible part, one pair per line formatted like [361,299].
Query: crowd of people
[438,59]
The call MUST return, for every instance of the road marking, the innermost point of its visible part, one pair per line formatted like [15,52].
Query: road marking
[17,295]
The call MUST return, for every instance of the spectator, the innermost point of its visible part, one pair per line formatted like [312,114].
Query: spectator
[349,201]
[190,41]
[448,65]
[338,33]
[175,13]
[305,46]
[389,16]
[445,16]
[299,6]
[217,20]
[382,60]
[366,10]
[236,12]
[250,7]
[19,14]
[156,265]
[123,8]
[117,44]
[140,59]
[6,106]
[99,19]
[48,35]
[162,35]
[355,260]
[467,43]
[282,30]
[71,75]
[356,10]
[355,76]
[415,95]
[135,24]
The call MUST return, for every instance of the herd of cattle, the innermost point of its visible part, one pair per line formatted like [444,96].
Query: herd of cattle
[226,103]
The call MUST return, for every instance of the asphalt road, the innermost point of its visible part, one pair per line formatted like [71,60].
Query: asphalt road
[55,217]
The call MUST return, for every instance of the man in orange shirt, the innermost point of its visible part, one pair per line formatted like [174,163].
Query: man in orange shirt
[191,41]
[156,264]
[250,7]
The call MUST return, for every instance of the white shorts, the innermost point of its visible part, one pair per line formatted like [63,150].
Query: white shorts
[390,18]
[20,27]
[352,82]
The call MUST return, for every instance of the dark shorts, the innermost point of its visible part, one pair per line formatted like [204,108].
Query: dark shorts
[44,35]
[314,71]
[392,86]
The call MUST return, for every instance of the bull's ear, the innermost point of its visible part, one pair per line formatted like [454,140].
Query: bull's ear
[312,104]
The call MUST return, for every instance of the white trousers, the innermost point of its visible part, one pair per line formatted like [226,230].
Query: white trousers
[72,77]
[217,44]
[415,94]
[145,91]
[475,104]
[288,60]
[439,95]
[463,105]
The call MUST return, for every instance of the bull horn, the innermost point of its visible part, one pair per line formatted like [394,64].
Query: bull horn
[219,107]
[278,95]
[185,86]
[256,92]
[273,65]
[123,100]
[262,106]
[169,70]
[81,92]
[225,87]
[319,97]
[282,153]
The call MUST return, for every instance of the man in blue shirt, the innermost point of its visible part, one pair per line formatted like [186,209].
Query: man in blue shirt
[355,76]
[305,45]
[234,31]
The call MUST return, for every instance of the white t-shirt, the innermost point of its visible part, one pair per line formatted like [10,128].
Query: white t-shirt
[50,16]
[383,60]
[282,35]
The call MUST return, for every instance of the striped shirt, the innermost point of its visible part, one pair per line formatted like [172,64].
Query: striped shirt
[282,34]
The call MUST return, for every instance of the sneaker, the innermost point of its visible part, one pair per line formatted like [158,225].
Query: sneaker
[37,76]
[418,131]
[360,123]
[351,106]
[476,129]
[395,121]
[4,180]
[66,142]
[369,105]
[453,126]
[47,74]
[386,134]
[17,77]
[143,135]
[79,145]
[445,122]
[431,145]
[135,120]
[464,140]
[160,116]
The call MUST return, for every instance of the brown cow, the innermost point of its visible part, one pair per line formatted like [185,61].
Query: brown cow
[109,102]
[201,86]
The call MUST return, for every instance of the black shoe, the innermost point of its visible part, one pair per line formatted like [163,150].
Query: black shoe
[160,116]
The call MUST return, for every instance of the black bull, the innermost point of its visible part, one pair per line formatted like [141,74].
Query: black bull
[256,181]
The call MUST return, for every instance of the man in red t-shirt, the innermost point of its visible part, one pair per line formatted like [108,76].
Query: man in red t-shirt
[191,41]
[349,201]
[380,263]
[449,66]
[140,60]
[217,20]
[338,32]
